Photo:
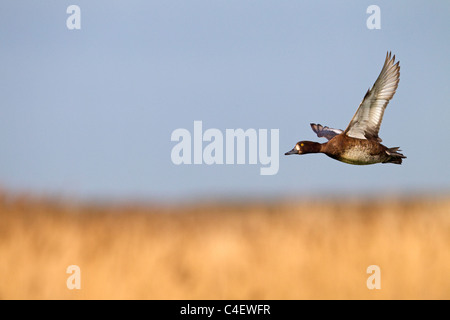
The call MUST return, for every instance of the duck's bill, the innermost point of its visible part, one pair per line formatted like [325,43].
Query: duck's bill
[293,151]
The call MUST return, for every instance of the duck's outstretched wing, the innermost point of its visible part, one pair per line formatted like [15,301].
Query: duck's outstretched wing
[326,132]
[367,119]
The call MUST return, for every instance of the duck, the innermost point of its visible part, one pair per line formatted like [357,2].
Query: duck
[359,143]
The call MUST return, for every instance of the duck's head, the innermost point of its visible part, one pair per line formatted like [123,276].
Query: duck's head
[303,147]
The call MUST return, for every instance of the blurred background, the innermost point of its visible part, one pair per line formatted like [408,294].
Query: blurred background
[86,175]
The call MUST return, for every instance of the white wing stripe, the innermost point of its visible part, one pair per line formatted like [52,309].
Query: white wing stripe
[367,119]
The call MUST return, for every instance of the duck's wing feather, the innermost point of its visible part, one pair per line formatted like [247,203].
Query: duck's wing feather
[367,119]
[326,132]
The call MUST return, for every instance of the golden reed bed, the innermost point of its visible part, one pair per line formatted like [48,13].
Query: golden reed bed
[287,250]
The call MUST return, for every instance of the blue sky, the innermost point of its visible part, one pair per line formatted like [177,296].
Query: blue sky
[89,113]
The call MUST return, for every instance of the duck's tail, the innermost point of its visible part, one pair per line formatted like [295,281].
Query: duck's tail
[394,156]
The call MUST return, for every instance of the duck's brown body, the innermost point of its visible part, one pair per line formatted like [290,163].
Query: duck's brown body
[351,150]
[359,151]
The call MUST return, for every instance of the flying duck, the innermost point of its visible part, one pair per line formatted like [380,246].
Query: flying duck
[359,144]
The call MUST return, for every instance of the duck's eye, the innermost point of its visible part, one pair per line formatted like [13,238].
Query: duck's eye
[301,144]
